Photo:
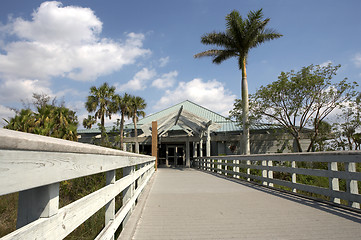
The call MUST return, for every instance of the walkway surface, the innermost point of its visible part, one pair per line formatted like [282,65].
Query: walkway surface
[189,204]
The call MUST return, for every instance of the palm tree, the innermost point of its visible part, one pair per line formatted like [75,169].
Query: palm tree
[240,37]
[123,105]
[89,121]
[100,102]
[137,105]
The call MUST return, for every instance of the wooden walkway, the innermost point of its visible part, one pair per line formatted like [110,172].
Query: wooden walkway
[189,204]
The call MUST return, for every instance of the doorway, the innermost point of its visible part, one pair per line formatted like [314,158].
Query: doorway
[175,156]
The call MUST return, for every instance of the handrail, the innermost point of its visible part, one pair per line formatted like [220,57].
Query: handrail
[268,165]
[34,166]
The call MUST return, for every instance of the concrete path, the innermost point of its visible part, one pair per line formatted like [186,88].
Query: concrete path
[189,204]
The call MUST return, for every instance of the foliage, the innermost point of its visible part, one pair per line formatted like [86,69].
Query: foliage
[89,121]
[122,104]
[347,129]
[240,37]
[100,102]
[299,99]
[49,119]
[136,107]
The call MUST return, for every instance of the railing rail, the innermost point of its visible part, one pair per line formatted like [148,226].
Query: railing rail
[35,165]
[261,168]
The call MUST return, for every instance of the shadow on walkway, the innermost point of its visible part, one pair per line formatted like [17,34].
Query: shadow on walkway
[344,212]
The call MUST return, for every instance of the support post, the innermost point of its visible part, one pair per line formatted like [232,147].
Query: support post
[294,177]
[352,186]
[128,192]
[208,143]
[110,206]
[155,143]
[188,160]
[270,173]
[264,172]
[35,203]
[333,182]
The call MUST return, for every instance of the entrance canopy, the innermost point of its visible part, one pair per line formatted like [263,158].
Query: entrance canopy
[181,119]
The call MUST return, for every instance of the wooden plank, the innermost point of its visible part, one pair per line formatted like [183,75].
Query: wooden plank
[74,214]
[111,227]
[304,171]
[335,156]
[14,140]
[20,170]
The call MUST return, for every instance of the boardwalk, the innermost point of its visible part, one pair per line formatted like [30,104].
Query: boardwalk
[188,204]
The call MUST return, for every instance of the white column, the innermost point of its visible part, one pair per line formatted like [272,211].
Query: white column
[208,144]
[264,172]
[188,160]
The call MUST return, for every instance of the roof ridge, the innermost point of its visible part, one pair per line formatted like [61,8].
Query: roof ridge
[204,108]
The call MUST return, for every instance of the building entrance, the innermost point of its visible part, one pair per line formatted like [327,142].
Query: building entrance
[175,156]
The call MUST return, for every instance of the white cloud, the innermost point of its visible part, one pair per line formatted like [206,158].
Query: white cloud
[167,80]
[139,80]
[60,41]
[325,64]
[357,59]
[163,61]
[16,89]
[210,94]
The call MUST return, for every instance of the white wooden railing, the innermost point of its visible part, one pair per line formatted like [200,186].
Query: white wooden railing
[269,164]
[35,165]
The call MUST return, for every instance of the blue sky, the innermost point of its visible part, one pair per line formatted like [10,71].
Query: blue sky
[146,48]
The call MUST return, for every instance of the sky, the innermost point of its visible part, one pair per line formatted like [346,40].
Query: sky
[146,48]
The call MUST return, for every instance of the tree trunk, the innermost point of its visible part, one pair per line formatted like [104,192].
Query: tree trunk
[121,132]
[136,135]
[245,110]
[102,130]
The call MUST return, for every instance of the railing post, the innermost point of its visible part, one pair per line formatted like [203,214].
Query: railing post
[35,203]
[352,186]
[234,169]
[219,166]
[270,173]
[129,191]
[248,170]
[237,169]
[294,176]
[264,172]
[333,182]
[110,206]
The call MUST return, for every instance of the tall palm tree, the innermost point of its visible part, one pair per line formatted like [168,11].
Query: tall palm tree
[123,105]
[240,37]
[100,102]
[137,105]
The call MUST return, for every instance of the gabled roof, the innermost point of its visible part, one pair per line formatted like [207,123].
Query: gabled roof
[190,108]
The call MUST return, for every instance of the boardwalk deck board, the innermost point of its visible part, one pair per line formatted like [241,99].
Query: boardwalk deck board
[189,204]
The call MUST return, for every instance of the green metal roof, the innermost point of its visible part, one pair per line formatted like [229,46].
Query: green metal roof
[226,125]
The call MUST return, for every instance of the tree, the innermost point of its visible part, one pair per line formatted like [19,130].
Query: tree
[49,119]
[300,100]
[240,37]
[89,121]
[122,104]
[100,102]
[348,125]
[136,107]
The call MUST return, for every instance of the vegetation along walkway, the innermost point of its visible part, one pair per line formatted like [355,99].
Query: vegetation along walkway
[189,204]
